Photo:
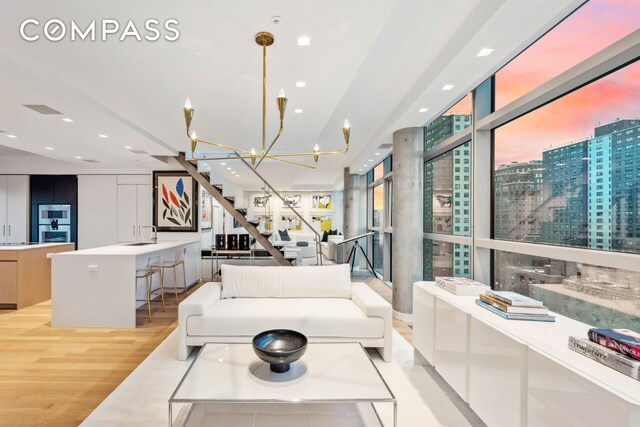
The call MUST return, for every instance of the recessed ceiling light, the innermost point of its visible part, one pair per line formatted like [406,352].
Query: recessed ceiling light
[447,87]
[485,52]
[49,148]
[78,157]
[364,166]
[67,119]
[423,110]
[237,176]
[371,160]
[11,136]
[304,41]
[228,169]
[128,147]
[301,84]
[360,170]
[298,111]
[102,135]
[376,154]
[223,164]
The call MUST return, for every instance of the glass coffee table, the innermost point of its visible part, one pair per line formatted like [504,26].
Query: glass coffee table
[333,384]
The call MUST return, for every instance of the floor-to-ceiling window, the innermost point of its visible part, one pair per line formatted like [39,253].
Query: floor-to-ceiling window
[447,194]
[554,173]
[380,193]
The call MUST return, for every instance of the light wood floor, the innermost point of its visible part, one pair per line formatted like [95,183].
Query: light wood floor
[56,377]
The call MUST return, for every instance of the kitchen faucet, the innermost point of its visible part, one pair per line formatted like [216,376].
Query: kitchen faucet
[154,239]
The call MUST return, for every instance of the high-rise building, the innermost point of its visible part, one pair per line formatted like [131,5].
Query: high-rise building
[563,210]
[449,183]
[625,183]
[518,194]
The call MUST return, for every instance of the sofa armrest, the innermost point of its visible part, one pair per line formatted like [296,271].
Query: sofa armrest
[370,302]
[201,300]
[195,304]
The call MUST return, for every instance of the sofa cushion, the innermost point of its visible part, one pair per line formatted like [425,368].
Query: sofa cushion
[327,281]
[284,235]
[314,317]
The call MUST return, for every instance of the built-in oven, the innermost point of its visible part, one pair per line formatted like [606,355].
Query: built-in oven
[54,223]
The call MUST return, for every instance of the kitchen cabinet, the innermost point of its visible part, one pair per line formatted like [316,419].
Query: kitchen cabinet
[134,213]
[14,208]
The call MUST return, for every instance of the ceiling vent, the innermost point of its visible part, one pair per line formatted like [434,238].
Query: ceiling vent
[385,146]
[90,161]
[138,152]
[43,109]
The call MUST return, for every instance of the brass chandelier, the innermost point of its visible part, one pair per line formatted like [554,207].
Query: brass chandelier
[263,39]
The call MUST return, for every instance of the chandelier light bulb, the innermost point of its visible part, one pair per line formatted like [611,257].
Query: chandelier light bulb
[253,152]
[281,94]
[187,104]
[316,148]
[347,125]
[194,136]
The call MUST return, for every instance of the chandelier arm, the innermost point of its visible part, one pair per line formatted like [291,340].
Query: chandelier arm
[309,154]
[218,158]
[293,163]
[265,154]
[226,147]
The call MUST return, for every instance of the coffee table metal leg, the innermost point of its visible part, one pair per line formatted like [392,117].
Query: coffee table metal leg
[395,414]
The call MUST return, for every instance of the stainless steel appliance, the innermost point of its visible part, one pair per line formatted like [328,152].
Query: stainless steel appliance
[54,223]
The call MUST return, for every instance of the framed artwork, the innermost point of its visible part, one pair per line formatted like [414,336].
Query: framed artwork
[236,224]
[321,201]
[206,209]
[261,201]
[292,201]
[325,221]
[290,222]
[265,223]
[175,201]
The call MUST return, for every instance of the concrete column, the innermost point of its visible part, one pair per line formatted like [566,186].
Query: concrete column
[407,218]
[351,204]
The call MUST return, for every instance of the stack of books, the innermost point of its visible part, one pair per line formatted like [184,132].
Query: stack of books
[461,286]
[513,306]
[616,348]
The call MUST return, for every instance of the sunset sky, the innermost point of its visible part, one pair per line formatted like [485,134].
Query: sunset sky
[593,27]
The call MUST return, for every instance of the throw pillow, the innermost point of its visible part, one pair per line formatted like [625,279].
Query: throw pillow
[284,235]
[325,236]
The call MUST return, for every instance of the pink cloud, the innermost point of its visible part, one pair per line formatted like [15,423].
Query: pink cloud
[570,118]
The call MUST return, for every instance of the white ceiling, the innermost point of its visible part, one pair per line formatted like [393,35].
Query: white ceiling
[375,62]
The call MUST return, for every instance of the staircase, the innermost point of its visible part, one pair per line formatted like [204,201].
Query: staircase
[228,205]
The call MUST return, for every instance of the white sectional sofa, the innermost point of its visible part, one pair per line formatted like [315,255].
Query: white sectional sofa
[319,301]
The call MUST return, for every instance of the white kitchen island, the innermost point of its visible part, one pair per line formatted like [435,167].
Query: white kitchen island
[96,288]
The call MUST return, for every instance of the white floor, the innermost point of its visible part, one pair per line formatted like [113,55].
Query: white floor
[142,399]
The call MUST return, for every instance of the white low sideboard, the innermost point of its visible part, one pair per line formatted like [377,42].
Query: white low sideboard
[515,373]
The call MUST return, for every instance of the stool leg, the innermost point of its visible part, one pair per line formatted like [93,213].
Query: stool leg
[184,277]
[175,283]
[161,290]
[146,278]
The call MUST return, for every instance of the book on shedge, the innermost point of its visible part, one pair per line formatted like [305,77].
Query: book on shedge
[513,316]
[461,286]
[623,341]
[500,305]
[611,358]
[515,299]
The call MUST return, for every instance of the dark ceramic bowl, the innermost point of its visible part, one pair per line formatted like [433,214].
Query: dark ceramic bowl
[279,348]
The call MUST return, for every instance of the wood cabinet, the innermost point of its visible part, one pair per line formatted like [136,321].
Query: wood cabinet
[134,213]
[25,274]
[14,208]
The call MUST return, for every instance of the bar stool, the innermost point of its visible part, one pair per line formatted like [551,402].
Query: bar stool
[173,264]
[147,275]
